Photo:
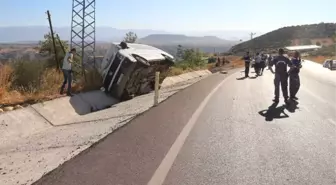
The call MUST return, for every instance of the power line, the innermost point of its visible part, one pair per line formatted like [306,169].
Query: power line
[83,32]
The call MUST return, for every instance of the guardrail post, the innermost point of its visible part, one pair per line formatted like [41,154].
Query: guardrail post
[156,93]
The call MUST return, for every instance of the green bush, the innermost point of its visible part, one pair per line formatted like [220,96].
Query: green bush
[191,59]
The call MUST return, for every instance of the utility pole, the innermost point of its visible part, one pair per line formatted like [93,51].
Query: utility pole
[83,34]
[251,35]
[59,41]
[53,40]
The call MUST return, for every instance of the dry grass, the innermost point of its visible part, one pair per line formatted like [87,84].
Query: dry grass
[174,71]
[319,59]
[12,93]
[235,61]
[27,83]
[23,84]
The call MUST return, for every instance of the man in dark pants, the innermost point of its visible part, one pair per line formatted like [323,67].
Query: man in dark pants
[294,78]
[269,60]
[247,59]
[281,75]
[262,63]
[67,71]
[257,62]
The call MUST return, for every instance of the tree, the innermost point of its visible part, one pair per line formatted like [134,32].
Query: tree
[46,46]
[130,37]
[193,57]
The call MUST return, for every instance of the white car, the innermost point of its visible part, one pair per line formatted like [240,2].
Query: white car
[330,64]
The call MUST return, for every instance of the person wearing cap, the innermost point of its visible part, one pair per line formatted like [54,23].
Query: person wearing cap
[294,78]
[281,75]
[247,59]
[67,71]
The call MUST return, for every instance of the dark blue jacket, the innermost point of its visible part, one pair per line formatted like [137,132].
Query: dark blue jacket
[281,62]
[296,65]
[247,58]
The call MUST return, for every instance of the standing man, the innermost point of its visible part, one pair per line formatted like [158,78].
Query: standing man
[67,71]
[269,60]
[281,75]
[262,63]
[294,78]
[257,60]
[247,60]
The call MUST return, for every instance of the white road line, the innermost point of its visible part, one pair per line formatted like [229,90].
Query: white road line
[305,108]
[332,121]
[162,171]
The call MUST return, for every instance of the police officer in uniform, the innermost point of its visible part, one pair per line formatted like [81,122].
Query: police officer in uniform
[247,59]
[294,78]
[281,75]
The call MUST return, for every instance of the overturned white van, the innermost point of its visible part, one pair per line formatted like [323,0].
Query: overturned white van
[129,69]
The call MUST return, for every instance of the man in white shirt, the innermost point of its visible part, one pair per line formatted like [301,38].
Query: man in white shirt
[257,60]
[67,71]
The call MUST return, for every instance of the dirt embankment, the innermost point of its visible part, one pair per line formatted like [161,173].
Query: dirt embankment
[319,59]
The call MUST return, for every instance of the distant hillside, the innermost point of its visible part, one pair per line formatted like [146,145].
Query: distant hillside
[165,42]
[103,33]
[172,39]
[35,33]
[169,42]
[294,35]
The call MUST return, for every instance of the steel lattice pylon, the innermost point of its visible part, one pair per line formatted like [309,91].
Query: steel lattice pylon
[83,30]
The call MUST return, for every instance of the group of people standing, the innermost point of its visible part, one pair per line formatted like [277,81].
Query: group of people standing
[260,63]
[281,73]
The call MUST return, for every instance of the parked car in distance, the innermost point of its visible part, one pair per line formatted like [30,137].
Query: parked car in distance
[330,64]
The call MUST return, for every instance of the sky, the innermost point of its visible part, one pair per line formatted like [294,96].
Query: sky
[176,15]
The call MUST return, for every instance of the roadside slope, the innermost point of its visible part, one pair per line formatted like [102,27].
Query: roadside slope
[41,142]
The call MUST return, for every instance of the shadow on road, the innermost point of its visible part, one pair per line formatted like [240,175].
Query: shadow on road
[89,102]
[274,112]
[253,77]
[241,78]
[292,106]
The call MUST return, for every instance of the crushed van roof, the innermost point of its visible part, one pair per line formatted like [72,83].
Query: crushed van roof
[149,53]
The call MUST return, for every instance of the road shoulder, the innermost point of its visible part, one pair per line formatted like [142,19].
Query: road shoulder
[131,154]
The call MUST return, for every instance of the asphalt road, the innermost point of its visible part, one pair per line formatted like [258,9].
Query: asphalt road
[218,131]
